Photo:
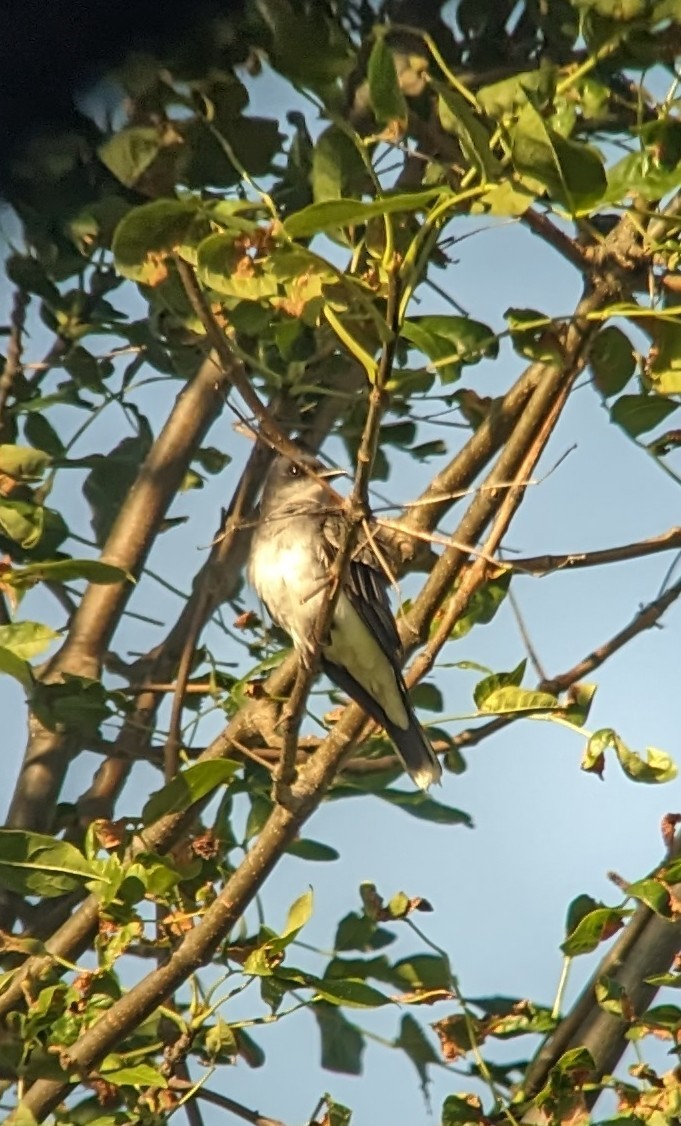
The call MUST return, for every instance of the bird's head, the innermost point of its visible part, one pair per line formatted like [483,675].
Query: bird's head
[297,485]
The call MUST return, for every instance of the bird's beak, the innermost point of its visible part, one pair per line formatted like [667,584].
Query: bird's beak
[328,474]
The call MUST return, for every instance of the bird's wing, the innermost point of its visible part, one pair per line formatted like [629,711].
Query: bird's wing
[365,584]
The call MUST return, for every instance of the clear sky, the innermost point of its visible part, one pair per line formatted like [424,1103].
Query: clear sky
[544,831]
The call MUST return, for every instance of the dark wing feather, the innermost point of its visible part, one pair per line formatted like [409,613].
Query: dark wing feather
[366,586]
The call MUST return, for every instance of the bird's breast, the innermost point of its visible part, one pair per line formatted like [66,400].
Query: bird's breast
[289,578]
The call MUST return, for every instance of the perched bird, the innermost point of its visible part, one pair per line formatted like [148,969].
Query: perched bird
[294,544]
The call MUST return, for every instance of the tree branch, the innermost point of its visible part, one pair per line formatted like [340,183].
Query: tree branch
[99,611]
[576,560]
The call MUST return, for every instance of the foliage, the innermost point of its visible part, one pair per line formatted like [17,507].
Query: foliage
[280,268]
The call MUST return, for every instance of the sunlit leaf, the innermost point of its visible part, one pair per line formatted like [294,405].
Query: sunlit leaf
[36,864]
[189,786]
[331,213]
[572,172]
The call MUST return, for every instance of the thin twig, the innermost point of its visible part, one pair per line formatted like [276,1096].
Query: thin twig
[226,1103]
[575,561]
[524,633]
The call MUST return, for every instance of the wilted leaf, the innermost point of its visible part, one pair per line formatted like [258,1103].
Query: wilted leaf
[149,234]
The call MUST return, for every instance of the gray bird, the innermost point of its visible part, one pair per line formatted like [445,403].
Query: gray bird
[294,544]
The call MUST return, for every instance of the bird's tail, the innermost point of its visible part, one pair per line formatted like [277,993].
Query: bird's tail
[411,743]
[413,747]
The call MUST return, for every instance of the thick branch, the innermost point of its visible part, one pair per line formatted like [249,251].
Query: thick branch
[100,609]
[646,947]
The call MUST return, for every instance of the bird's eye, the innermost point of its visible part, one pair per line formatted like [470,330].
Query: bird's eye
[294,470]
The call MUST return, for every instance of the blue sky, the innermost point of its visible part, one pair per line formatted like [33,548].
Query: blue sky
[544,831]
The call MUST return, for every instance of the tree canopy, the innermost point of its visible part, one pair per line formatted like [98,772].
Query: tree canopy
[236,241]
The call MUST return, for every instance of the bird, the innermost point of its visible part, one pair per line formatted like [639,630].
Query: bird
[295,541]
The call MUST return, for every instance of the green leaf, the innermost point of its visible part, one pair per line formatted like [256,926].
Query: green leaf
[26,639]
[335,1114]
[509,700]
[23,462]
[424,971]
[15,666]
[593,928]
[655,768]
[610,995]
[490,684]
[637,174]
[150,233]
[189,786]
[427,696]
[337,166]
[22,522]
[458,118]
[77,703]
[482,606]
[506,198]
[533,335]
[416,1046]
[577,705]
[36,864]
[299,914]
[572,172]
[451,341]
[331,213]
[612,361]
[578,909]
[42,435]
[23,1116]
[66,570]
[141,1075]
[355,994]
[459,1110]
[636,414]
[425,808]
[342,1043]
[663,366]
[306,849]
[359,932]
[111,478]
[217,260]
[130,152]
[654,894]
[386,96]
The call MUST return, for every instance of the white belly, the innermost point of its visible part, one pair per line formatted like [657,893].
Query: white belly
[289,579]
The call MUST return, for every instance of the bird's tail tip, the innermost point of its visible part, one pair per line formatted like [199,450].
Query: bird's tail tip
[427,775]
